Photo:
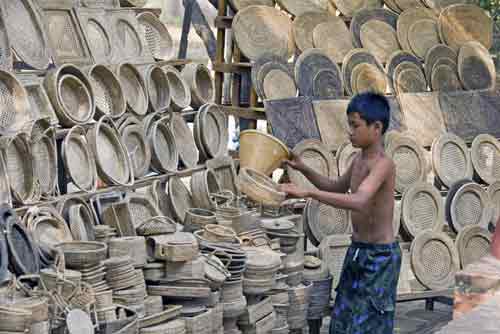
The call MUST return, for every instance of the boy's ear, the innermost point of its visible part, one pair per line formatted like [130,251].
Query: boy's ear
[379,126]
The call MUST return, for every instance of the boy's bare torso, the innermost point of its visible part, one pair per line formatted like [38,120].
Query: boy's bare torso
[375,223]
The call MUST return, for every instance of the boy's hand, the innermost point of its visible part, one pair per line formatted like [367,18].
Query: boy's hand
[295,162]
[292,191]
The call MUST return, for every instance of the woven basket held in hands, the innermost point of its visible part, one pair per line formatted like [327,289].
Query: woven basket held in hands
[261,152]
[260,188]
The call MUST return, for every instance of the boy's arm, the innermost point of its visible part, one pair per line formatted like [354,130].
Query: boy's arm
[382,171]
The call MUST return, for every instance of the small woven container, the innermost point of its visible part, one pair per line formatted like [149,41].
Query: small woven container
[196,219]
[158,87]
[203,185]
[179,90]
[157,37]
[217,233]
[156,226]
[135,247]
[201,84]
[78,254]
[164,153]
[134,88]
[14,320]
[108,93]
[260,188]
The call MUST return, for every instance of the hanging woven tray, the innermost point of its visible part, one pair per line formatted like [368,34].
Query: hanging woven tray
[158,87]
[96,28]
[44,155]
[164,152]
[274,81]
[6,57]
[436,53]
[334,37]
[78,160]
[155,33]
[135,141]
[201,83]
[108,93]
[262,29]
[395,60]
[409,78]
[260,188]
[468,205]
[351,60]
[423,35]
[421,209]
[113,163]
[180,198]
[81,222]
[485,155]
[23,252]
[20,170]
[315,155]
[203,185]
[16,111]
[308,65]
[134,88]
[434,259]
[188,153]
[303,27]
[225,171]
[40,104]
[323,220]
[472,243]
[494,193]
[451,159]
[5,192]
[179,89]
[368,77]
[214,131]
[475,67]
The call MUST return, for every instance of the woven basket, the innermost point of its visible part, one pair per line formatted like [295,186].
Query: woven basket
[165,156]
[78,160]
[158,87]
[79,255]
[156,226]
[134,88]
[179,90]
[322,220]
[213,130]
[113,163]
[81,222]
[196,219]
[469,204]
[485,155]
[22,250]
[472,243]
[135,247]
[157,37]
[20,171]
[5,193]
[261,152]
[38,306]
[16,111]
[135,141]
[180,198]
[217,233]
[188,153]
[203,185]
[14,319]
[494,194]
[260,188]
[71,94]
[141,209]
[177,247]
[108,93]
[201,84]
[44,155]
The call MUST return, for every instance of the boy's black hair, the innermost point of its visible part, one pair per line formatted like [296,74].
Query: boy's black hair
[371,107]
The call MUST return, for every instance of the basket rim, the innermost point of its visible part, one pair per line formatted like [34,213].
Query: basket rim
[150,18]
[88,94]
[142,85]
[108,76]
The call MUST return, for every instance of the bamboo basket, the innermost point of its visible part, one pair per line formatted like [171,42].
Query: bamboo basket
[134,88]
[260,188]
[203,185]
[158,87]
[157,37]
[179,90]
[79,254]
[44,155]
[16,111]
[108,93]
[165,156]
[201,84]
[261,152]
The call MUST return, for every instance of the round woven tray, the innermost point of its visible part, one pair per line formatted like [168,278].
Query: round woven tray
[78,160]
[179,89]
[397,58]
[260,188]
[475,67]
[20,170]
[180,198]
[406,21]
[203,185]
[299,7]
[134,88]
[201,83]
[188,153]
[434,54]
[462,23]
[472,243]
[451,160]
[423,35]
[307,66]
[108,92]
[350,8]
[368,77]
[15,112]
[44,155]
[315,155]
[323,220]
[261,29]
[156,35]
[485,155]
[158,87]
[422,209]
[494,193]
[23,252]
[113,163]
[326,84]
[214,131]
[164,153]
[345,156]
[409,78]
[275,81]
[444,76]
[261,61]
[351,60]
[334,37]
[137,147]
[470,205]
[410,162]
[434,259]
[303,27]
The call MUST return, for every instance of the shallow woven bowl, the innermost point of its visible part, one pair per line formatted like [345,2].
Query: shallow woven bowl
[108,93]
[15,103]
[134,88]
[201,84]
[158,88]
[165,156]
[44,155]
[260,188]
[156,35]
[179,90]
[261,152]
[137,147]
[78,254]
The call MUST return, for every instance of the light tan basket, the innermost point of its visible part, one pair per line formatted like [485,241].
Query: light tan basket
[485,155]
[260,188]
[201,84]
[261,152]
[156,35]
[80,254]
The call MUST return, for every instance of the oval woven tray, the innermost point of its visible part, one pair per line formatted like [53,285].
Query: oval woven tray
[188,153]
[214,131]
[323,220]
[201,83]
[485,155]
[179,89]
[472,243]
[451,159]
[137,147]
[109,95]
[44,155]
[164,153]
[134,88]
[158,87]
[334,37]
[15,113]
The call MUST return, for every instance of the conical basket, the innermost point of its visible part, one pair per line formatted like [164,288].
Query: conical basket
[261,152]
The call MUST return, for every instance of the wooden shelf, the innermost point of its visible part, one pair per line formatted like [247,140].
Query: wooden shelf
[232,67]
[248,113]
[223,22]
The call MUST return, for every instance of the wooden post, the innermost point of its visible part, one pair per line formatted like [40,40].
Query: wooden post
[219,54]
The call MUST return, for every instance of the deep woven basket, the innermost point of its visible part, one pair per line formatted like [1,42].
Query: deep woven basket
[78,254]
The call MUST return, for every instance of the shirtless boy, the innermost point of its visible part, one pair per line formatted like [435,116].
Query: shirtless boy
[366,293]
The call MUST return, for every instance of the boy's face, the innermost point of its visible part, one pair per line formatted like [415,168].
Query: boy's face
[361,134]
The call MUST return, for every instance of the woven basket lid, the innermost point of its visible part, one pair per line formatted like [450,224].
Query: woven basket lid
[315,155]
[334,37]
[327,83]
[368,77]
[262,29]
[134,88]
[201,82]
[375,30]
[422,209]
[165,154]
[350,8]
[240,4]
[44,153]
[494,193]
[410,162]
[485,154]
[323,220]
[470,205]
[214,131]
[137,147]
[423,35]
[261,61]
[451,159]
[351,60]
[157,86]
[299,7]
[156,35]
[179,89]
[435,53]
[275,81]
[78,160]
[307,66]
[473,242]
[345,156]
[434,259]
[26,33]
[462,23]
[444,76]
[331,116]
[409,78]
[188,153]
[303,27]
[397,58]
[180,198]
[108,93]
[475,67]
[406,20]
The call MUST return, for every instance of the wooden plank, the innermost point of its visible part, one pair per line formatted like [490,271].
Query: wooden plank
[233,67]
[219,53]
[425,295]
[248,113]
[223,22]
